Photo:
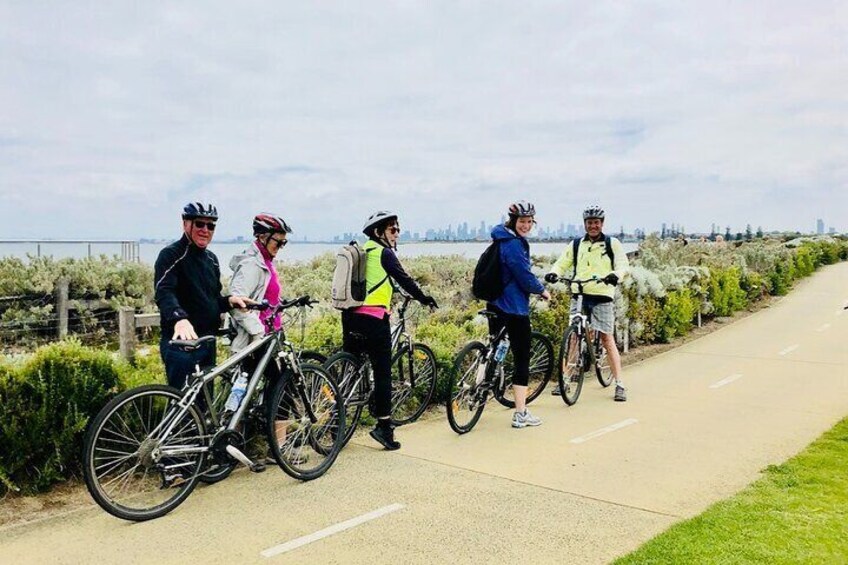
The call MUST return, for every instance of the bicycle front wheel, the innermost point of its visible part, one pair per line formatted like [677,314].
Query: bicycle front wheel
[570,372]
[541,367]
[467,400]
[344,369]
[132,468]
[413,383]
[603,370]
[307,422]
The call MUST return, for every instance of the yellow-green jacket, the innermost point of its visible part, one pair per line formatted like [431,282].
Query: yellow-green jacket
[592,260]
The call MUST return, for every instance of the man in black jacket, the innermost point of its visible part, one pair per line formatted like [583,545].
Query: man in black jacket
[187,283]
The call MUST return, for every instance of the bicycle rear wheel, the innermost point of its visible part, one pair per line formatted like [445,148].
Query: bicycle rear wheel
[413,383]
[133,472]
[467,400]
[307,422]
[344,369]
[541,367]
[570,369]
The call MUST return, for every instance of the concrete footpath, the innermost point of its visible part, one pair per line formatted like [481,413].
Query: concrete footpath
[593,482]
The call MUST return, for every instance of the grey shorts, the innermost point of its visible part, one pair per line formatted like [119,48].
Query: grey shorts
[602,317]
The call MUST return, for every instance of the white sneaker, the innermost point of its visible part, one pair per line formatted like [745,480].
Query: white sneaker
[522,420]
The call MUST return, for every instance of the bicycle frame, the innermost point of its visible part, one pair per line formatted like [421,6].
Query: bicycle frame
[275,345]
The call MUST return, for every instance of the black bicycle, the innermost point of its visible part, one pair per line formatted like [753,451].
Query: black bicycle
[147,448]
[580,349]
[485,369]
[413,377]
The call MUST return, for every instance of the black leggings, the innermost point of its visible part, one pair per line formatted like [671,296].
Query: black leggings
[376,341]
[518,330]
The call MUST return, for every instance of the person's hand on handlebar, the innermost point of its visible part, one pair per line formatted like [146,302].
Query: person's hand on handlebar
[611,279]
[429,301]
[184,330]
[551,278]
[545,295]
[240,302]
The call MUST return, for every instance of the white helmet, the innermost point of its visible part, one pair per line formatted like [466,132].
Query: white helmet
[593,211]
[377,218]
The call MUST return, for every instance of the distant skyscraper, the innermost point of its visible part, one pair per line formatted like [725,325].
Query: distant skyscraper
[820,226]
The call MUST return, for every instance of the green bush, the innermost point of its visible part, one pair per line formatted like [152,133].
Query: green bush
[725,291]
[678,312]
[45,405]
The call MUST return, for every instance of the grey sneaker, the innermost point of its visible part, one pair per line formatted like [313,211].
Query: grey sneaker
[555,391]
[522,420]
[620,394]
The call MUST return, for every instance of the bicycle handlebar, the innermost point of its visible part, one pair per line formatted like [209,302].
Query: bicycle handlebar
[566,280]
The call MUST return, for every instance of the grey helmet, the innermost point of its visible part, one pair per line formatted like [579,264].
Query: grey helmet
[194,210]
[377,218]
[593,211]
[522,209]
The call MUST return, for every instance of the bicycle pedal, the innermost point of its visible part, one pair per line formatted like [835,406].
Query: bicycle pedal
[257,467]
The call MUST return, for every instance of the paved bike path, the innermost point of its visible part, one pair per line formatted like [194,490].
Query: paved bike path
[593,482]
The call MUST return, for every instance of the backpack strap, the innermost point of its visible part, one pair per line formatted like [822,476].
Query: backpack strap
[609,251]
[576,245]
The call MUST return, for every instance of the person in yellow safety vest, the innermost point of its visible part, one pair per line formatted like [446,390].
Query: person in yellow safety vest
[371,320]
[602,256]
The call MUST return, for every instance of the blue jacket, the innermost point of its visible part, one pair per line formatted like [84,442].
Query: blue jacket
[519,281]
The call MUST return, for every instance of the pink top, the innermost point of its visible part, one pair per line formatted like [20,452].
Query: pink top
[272,293]
[373,311]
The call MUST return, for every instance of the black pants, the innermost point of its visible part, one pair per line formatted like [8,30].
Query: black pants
[374,339]
[518,330]
[179,364]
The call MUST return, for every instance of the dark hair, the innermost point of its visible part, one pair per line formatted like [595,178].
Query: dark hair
[510,223]
[382,226]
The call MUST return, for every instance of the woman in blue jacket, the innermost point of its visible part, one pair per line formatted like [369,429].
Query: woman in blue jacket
[513,306]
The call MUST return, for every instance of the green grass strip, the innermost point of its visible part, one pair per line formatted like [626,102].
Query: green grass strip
[796,513]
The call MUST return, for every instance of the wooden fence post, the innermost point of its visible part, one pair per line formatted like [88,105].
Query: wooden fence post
[62,286]
[126,332]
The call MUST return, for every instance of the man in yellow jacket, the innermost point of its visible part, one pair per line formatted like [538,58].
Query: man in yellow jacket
[598,255]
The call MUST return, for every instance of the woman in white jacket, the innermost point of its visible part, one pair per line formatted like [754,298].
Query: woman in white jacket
[254,276]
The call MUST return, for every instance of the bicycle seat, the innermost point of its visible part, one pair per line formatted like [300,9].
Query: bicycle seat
[191,344]
[488,313]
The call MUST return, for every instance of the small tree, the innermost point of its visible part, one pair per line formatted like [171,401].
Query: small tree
[749,234]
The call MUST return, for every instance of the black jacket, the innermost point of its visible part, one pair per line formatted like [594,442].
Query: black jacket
[187,283]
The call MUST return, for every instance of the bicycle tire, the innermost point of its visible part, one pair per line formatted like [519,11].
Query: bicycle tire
[603,371]
[111,428]
[541,367]
[570,370]
[343,369]
[463,391]
[308,356]
[309,448]
[408,404]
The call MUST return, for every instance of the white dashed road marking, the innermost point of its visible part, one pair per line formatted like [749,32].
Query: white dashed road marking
[332,530]
[726,381]
[604,431]
[789,349]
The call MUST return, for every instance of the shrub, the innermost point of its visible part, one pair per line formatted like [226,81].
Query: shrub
[725,292]
[45,406]
[678,311]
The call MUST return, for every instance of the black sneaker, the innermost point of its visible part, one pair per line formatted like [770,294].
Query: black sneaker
[620,394]
[386,437]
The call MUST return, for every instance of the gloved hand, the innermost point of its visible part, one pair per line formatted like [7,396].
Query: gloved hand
[429,301]
[303,300]
[551,278]
[611,278]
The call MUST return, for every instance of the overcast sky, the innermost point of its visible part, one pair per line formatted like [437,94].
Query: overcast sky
[113,116]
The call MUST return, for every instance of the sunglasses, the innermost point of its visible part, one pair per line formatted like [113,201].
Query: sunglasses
[280,242]
[393,229]
[200,224]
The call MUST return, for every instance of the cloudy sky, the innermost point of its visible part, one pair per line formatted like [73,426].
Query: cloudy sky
[113,115]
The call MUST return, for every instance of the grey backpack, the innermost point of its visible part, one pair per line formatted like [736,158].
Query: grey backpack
[349,277]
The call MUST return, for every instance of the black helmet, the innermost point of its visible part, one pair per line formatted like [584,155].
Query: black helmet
[194,210]
[522,209]
[376,219]
[269,223]
[593,212]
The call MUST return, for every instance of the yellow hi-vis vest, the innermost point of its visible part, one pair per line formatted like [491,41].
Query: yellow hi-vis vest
[377,283]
